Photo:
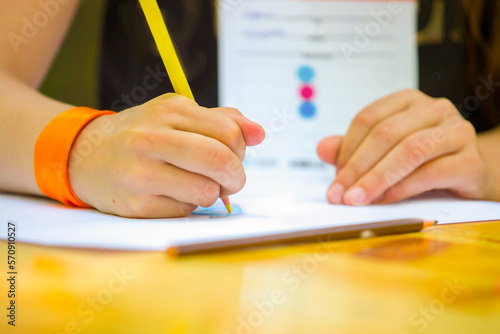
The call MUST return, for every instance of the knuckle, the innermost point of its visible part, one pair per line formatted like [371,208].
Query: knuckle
[444,107]
[385,133]
[235,179]
[232,133]
[158,108]
[210,191]
[350,172]
[365,118]
[410,93]
[143,179]
[398,189]
[137,138]
[128,179]
[242,181]
[412,146]
[137,207]
[176,99]
[184,209]
[220,160]
[136,179]
[463,133]
[232,111]
[378,181]
[171,95]
[473,162]
[141,207]
[443,103]
[466,129]
[476,182]
[206,202]
[432,174]
[170,107]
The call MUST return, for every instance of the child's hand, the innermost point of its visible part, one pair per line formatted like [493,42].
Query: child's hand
[161,159]
[403,145]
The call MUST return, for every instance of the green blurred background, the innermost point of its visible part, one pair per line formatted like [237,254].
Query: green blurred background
[73,76]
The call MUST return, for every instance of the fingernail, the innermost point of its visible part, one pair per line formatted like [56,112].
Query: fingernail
[335,193]
[356,196]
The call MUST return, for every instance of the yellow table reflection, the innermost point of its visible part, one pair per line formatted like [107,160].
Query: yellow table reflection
[444,280]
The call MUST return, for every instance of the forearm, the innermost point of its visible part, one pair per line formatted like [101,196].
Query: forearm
[24,113]
[489,143]
[23,64]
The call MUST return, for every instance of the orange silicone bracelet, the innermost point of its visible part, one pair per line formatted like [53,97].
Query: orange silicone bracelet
[52,150]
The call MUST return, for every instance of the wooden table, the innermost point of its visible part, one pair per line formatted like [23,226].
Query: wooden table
[445,280]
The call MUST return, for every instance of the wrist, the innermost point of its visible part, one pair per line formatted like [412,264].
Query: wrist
[82,156]
[52,150]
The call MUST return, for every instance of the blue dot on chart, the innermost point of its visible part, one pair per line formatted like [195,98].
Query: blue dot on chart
[306,74]
[307,110]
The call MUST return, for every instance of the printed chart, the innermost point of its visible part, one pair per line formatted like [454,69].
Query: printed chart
[304,69]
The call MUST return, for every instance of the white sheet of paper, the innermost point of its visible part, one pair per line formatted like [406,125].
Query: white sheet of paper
[347,54]
[271,203]
[270,51]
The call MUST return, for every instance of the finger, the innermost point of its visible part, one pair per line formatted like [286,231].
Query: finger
[155,207]
[382,138]
[370,116]
[328,149]
[437,174]
[212,125]
[209,123]
[178,184]
[403,160]
[253,133]
[197,154]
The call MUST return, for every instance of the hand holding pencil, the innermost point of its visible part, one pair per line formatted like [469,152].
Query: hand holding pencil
[168,54]
[161,159]
[166,157]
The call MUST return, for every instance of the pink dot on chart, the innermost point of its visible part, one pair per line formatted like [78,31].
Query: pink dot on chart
[307,92]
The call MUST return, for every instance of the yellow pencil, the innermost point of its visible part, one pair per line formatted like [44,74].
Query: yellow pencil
[168,55]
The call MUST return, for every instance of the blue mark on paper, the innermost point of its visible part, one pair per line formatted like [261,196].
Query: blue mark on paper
[219,211]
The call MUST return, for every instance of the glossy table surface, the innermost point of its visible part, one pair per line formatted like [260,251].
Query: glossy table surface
[444,280]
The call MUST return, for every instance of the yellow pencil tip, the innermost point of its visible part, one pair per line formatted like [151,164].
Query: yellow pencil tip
[227,204]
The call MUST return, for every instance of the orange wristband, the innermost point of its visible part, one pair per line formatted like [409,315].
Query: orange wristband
[52,150]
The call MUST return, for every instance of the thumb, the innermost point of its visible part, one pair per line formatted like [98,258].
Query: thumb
[328,149]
